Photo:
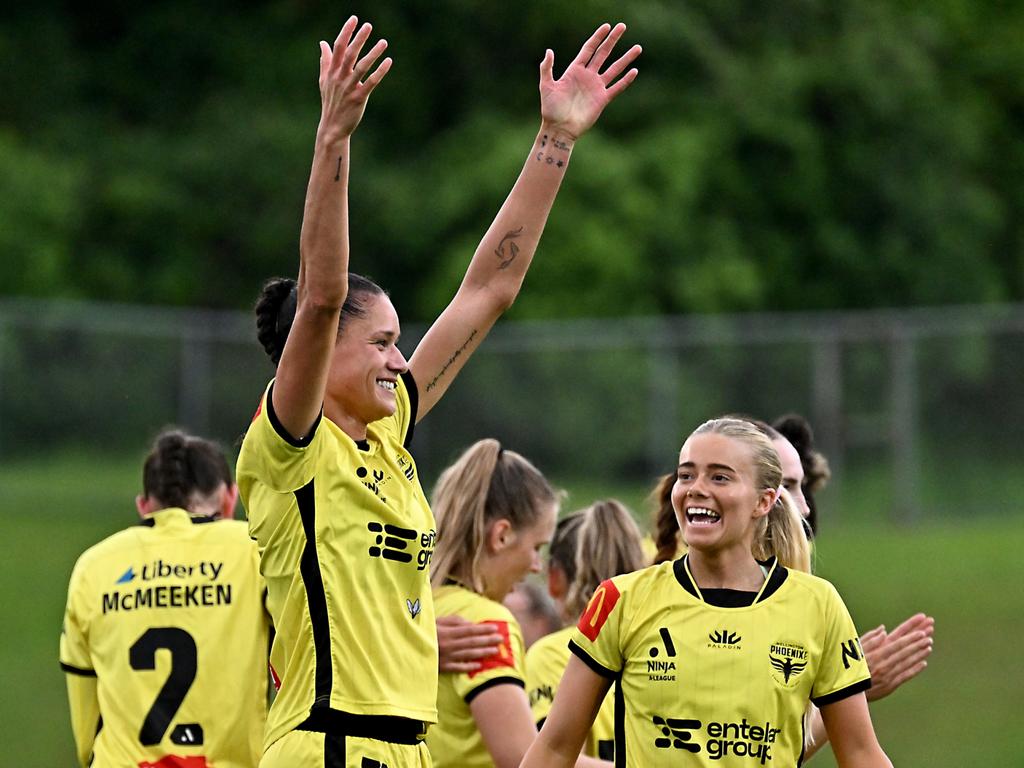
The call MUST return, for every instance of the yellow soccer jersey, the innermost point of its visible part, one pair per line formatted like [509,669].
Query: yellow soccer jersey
[546,660]
[345,538]
[166,621]
[455,740]
[704,685]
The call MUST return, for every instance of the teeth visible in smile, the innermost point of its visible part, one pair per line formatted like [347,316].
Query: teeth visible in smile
[701,516]
[389,385]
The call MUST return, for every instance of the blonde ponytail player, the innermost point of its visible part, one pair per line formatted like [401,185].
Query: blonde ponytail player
[718,653]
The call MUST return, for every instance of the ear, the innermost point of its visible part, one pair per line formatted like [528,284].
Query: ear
[558,584]
[228,501]
[145,505]
[500,535]
[765,502]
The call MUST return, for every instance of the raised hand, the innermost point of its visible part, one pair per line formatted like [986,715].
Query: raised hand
[898,656]
[573,102]
[346,80]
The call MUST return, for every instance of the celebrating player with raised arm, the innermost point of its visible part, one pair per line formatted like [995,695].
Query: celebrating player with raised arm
[165,635]
[333,495]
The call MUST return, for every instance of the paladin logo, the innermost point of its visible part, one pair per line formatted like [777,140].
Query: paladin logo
[662,671]
[723,638]
[787,661]
[414,607]
[676,732]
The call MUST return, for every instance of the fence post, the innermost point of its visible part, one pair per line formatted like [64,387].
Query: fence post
[194,376]
[662,409]
[903,425]
[827,419]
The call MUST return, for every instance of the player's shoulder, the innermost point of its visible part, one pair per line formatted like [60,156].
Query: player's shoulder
[456,599]
[811,585]
[641,583]
[115,543]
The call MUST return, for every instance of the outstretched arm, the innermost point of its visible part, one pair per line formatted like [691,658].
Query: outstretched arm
[569,107]
[346,81]
[893,658]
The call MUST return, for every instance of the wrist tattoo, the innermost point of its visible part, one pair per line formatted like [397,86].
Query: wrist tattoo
[508,249]
[452,359]
[556,143]
[337,173]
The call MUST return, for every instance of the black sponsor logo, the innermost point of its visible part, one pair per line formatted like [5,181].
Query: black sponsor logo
[676,732]
[724,638]
[787,661]
[718,739]
[394,543]
[851,651]
[662,670]
[370,763]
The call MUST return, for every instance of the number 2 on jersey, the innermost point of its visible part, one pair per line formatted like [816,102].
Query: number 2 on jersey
[142,656]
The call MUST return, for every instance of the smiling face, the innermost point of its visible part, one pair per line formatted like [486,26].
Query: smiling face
[366,365]
[715,496]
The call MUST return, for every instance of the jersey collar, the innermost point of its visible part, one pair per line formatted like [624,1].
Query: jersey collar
[777,575]
[170,514]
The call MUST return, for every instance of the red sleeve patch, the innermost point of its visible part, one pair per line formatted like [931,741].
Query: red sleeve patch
[504,657]
[175,761]
[604,599]
[259,410]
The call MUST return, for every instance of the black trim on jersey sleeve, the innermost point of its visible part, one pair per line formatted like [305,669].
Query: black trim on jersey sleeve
[842,693]
[77,670]
[414,404]
[587,659]
[295,442]
[620,725]
[316,598]
[491,683]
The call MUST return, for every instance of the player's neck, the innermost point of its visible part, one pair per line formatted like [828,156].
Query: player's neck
[725,569]
[351,425]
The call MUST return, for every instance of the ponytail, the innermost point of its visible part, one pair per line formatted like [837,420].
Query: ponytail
[667,537]
[486,483]
[781,533]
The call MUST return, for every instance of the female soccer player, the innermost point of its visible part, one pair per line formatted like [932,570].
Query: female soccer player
[717,654]
[589,546]
[334,501]
[165,636]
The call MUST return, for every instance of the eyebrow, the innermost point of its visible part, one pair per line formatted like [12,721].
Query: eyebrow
[689,464]
[389,335]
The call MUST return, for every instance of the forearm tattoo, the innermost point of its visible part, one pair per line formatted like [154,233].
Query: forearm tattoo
[547,155]
[337,173]
[508,248]
[451,360]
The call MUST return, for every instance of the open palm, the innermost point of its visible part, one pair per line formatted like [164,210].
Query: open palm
[574,101]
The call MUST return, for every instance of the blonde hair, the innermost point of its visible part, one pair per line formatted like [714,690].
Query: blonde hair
[594,544]
[486,483]
[781,532]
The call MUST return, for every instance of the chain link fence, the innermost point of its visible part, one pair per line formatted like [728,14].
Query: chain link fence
[919,411]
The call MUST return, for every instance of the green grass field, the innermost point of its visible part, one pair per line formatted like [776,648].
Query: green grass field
[963,711]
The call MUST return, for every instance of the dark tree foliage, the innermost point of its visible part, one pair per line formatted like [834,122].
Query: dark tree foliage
[772,155]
